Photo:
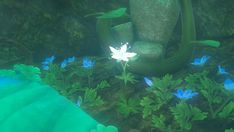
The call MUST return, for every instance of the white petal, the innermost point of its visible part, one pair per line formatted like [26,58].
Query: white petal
[123,48]
[113,50]
[128,54]
[115,57]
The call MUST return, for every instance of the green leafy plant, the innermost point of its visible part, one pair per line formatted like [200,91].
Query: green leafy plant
[185,114]
[229,130]
[160,122]
[128,106]
[228,111]
[91,99]
[127,77]
[160,94]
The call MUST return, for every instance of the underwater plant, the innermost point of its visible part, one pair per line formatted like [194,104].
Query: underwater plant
[148,81]
[47,62]
[126,107]
[229,84]
[123,57]
[200,61]
[68,79]
[222,70]
[65,62]
[186,94]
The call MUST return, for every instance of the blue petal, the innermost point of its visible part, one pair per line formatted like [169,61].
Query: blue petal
[64,64]
[148,81]
[229,84]
[71,59]
[45,67]
[222,70]
[87,63]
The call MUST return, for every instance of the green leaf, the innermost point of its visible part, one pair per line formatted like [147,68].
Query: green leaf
[103,84]
[91,99]
[193,80]
[229,130]
[211,90]
[127,77]
[146,103]
[28,72]
[113,14]
[166,82]
[127,107]
[184,114]
[211,43]
[227,110]
[159,122]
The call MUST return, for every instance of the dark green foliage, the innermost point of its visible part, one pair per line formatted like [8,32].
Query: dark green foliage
[185,114]
[74,82]
[229,130]
[91,99]
[228,111]
[159,94]
[128,106]
[113,14]
[127,77]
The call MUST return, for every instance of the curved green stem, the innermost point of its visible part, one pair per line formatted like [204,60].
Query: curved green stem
[223,105]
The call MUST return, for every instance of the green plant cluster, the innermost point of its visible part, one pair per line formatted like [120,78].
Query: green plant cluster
[77,84]
[167,113]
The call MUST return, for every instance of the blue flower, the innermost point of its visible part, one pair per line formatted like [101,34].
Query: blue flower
[187,94]
[45,67]
[229,84]
[87,63]
[78,102]
[71,59]
[200,61]
[148,81]
[65,62]
[47,62]
[222,70]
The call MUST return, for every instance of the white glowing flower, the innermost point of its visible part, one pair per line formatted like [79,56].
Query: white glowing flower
[121,54]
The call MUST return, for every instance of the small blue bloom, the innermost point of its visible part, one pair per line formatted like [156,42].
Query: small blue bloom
[78,103]
[148,81]
[63,63]
[200,61]
[222,70]
[71,59]
[45,67]
[87,63]
[187,94]
[47,62]
[229,84]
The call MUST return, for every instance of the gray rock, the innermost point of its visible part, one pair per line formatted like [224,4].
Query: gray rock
[214,18]
[123,32]
[148,50]
[154,19]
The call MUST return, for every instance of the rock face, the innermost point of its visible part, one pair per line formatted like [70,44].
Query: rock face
[154,20]
[214,18]
[123,33]
[148,50]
